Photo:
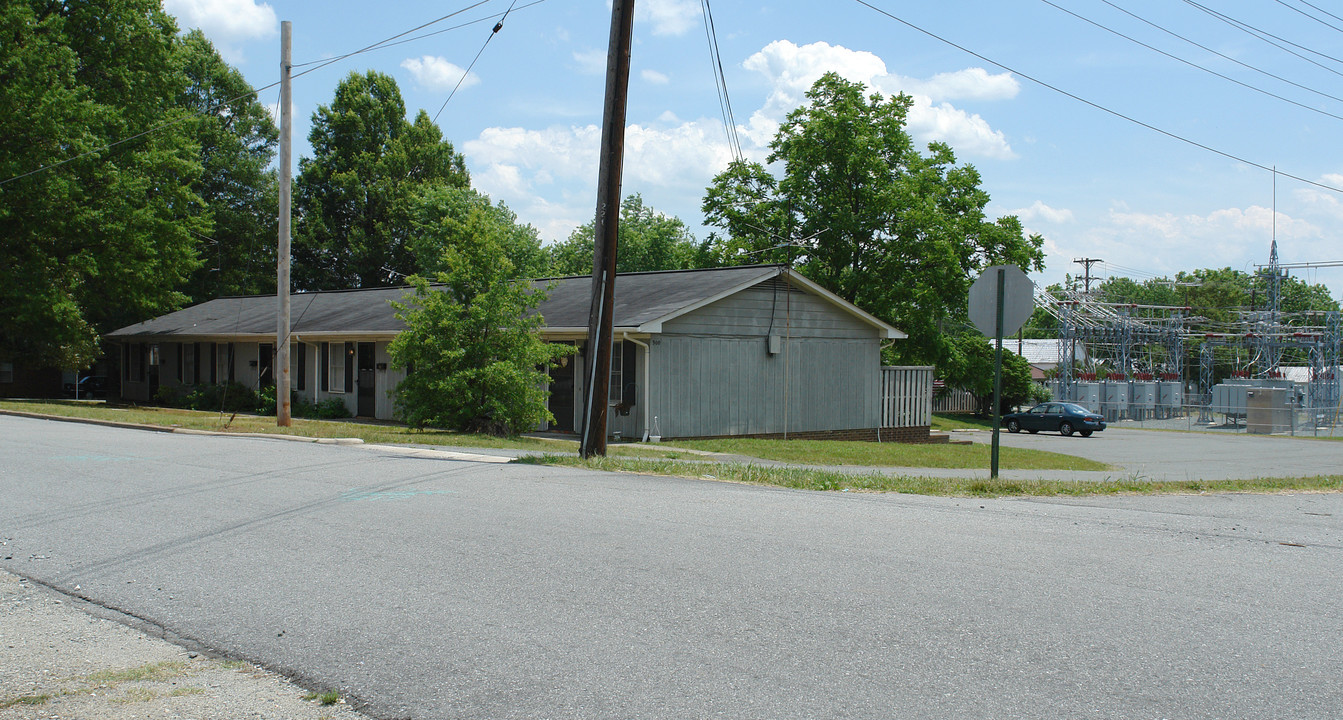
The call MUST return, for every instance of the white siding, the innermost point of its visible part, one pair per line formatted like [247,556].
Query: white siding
[749,313]
[733,386]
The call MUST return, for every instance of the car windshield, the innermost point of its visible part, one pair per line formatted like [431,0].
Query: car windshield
[1078,409]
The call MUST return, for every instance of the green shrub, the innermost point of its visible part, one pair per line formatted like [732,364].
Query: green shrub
[330,409]
[170,397]
[231,397]
[265,401]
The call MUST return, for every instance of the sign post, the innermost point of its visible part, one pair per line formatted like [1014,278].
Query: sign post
[1001,300]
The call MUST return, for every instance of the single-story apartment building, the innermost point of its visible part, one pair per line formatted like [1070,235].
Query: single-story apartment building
[753,350]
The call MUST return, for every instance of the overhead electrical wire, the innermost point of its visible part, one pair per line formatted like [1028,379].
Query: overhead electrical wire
[1317,7]
[1265,35]
[1224,56]
[367,48]
[1098,106]
[466,73]
[720,83]
[1192,64]
[468,23]
[1293,8]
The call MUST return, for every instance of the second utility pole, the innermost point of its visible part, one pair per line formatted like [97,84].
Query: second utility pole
[604,230]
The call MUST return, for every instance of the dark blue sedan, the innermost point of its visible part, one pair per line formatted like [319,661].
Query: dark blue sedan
[1065,418]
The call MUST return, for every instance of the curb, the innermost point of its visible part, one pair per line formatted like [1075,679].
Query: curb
[180,431]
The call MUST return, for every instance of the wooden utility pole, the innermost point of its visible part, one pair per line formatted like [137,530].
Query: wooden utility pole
[1087,263]
[605,229]
[282,408]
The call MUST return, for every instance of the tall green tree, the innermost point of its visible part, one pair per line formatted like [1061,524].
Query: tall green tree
[970,367]
[238,187]
[646,240]
[352,198]
[108,238]
[473,342]
[439,215]
[899,233]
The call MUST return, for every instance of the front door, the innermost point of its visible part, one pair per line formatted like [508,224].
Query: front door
[368,401]
[265,364]
[562,394]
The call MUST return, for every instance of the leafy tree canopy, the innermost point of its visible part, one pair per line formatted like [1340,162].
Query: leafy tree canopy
[352,198]
[439,217]
[899,233]
[237,140]
[1217,294]
[473,343]
[108,238]
[969,366]
[647,240]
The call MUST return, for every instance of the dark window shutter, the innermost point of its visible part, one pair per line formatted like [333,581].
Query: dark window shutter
[349,366]
[301,356]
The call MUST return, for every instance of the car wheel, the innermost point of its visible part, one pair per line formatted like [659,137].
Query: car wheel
[1013,426]
[1084,433]
[1066,428]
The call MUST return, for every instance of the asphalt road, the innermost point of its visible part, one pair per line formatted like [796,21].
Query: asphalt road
[432,588]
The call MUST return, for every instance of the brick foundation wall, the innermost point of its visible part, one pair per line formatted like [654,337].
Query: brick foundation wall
[918,434]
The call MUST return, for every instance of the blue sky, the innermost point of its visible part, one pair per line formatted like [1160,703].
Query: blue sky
[1094,185]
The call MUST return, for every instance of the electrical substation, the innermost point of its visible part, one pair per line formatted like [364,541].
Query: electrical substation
[1262,371]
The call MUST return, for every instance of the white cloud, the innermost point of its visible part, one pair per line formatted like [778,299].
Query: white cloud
[436,73]
[1040,211]
[590,62]
[967,84]
[1321,199]
[1141,245]
[677,158]
[1230,225]
[226,22]
[653,77]
[668,17]
[548,176]
[792,69]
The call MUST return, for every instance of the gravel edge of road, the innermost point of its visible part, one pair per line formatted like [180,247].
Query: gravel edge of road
[64,657]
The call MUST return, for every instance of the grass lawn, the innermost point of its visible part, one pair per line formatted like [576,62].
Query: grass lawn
[812,452]
[807,479]
[835,452]
[369,432]
[946,422]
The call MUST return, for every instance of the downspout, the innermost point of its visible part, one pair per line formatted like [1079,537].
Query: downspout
[647,427]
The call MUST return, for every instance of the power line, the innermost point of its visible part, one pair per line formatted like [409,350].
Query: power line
[1097,106]
[380,43]
[1264,35]
[497,27]
[1317,7]
[1312,17]
[1190,63]
[1224,56]
[720,83]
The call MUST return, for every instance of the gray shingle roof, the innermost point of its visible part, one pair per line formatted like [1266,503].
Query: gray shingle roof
[640,298]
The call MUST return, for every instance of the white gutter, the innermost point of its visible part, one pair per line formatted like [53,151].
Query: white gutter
[647,427]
